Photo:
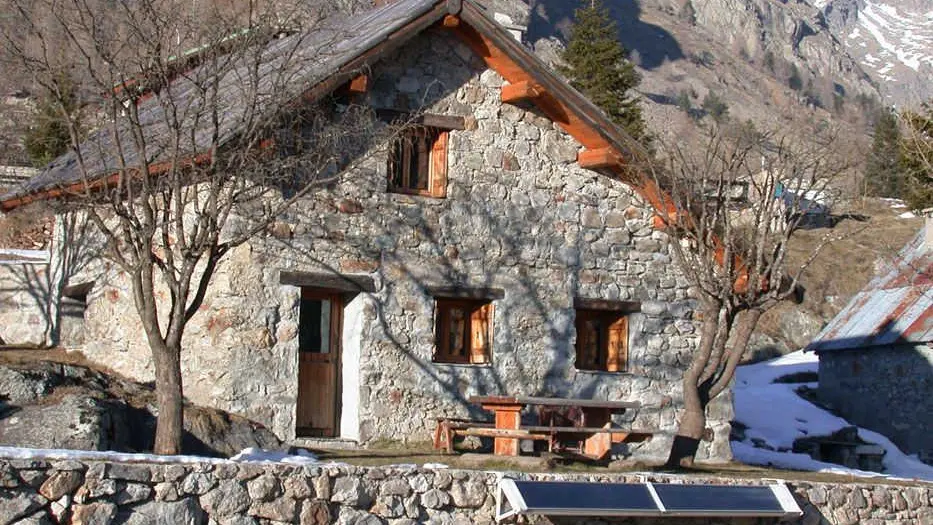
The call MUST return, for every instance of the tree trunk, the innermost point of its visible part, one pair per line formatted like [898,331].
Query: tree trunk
[170,423]
[687,440]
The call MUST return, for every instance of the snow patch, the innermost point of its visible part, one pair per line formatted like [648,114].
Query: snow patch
[248,455]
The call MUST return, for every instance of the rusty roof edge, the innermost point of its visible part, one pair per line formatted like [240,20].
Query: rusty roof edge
[867,319]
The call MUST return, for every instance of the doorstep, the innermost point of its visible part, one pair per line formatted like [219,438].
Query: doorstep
[324,443]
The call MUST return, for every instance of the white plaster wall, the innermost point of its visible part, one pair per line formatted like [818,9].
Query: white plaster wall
[351,342]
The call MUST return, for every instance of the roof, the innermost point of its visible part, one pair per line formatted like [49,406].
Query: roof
[338,50]
[894,308]
[331,45]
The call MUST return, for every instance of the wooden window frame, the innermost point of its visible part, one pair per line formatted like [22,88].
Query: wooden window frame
[613,345]
[478,334]
[435,163]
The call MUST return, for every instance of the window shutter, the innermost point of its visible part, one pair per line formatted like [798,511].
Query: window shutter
[438,179]
[618,342]
[479,340]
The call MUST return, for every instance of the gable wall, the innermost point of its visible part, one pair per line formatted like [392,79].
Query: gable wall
[519,215]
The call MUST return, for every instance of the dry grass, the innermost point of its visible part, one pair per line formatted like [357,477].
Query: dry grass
[843,267]
[421,453]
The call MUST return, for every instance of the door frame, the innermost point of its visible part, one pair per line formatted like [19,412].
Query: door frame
[336,298]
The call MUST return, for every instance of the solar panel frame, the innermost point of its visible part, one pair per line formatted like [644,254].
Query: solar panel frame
[512,499]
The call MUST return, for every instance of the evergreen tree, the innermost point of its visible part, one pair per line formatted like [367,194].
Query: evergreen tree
[597,67]
[49,137]
[883,175]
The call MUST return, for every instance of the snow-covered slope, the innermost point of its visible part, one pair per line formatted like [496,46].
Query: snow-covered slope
[893,40]
[775,416]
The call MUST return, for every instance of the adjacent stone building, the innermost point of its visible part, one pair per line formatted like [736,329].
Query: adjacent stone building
[503,256]
[876,358]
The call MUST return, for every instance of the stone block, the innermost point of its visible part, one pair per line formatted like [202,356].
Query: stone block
[182,512]
[229,497]
[129,472]
[16,504]
[97,513]
[61,483]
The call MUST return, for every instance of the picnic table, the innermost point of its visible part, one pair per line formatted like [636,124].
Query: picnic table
[581,426]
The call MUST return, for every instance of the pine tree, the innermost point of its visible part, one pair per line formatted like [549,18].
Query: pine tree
[49,136]
[598,68]
[883,175]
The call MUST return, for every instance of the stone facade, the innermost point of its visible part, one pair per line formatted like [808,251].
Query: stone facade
[24,316]
[887,389]
[36,491]
[519,215]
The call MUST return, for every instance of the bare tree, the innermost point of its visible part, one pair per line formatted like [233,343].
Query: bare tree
[734,204]
[916,154]
[202,133]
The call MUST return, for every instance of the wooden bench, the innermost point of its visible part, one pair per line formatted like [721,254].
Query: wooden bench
[448,427]
[601,438]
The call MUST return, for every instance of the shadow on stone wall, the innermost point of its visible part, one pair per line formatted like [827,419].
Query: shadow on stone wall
[73,249]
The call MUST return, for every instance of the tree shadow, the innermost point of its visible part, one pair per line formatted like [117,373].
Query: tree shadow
[652,44]
[73,250]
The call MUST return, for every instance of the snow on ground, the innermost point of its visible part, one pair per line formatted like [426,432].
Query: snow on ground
[775,415]
[248,455]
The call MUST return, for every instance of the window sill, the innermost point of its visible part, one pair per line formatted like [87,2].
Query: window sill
[412,194]
[461,365]
[604,372]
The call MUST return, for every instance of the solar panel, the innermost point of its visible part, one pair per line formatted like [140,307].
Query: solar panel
[564,498]
[718,500]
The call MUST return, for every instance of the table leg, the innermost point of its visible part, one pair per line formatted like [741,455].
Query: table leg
[507,418]
[597,446]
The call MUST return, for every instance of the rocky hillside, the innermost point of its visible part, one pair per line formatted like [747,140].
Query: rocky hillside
[891,39]
[770,62]
[55,404]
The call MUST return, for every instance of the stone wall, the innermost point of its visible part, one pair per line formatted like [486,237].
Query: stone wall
[24,317]
[887,389]
[37,491]
[519,215]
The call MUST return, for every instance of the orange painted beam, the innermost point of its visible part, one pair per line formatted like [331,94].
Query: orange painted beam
[553,108]
[451,21]
[520,91]
[359,84]
[594,159]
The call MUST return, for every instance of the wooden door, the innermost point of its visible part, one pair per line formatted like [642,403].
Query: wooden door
[319,329]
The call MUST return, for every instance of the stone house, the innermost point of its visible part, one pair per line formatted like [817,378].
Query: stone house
[876,357]
[506,256]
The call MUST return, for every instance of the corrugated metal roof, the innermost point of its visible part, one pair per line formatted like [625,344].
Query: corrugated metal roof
[895,307]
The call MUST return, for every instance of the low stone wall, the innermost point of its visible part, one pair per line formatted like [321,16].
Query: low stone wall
[225,493]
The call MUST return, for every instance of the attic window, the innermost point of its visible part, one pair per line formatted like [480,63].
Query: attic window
[463,333]
[418,162]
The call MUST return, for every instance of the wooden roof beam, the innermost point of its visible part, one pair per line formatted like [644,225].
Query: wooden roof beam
[359,85]
[595,159]
[520,91]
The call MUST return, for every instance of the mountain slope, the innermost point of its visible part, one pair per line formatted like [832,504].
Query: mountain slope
[893,41]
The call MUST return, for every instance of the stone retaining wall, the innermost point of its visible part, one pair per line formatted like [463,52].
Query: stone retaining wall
[227,493]
[886,389]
